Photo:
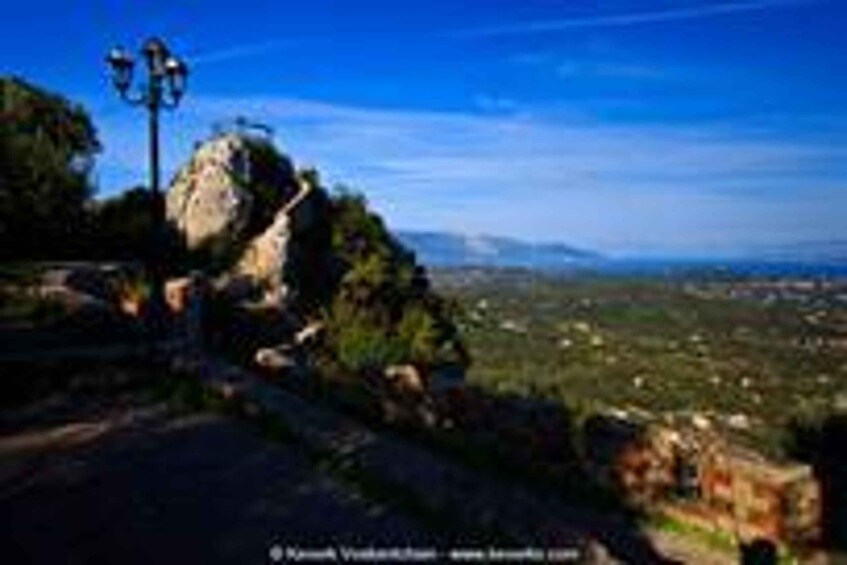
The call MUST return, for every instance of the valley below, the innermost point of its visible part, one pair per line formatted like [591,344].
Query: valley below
[747,355]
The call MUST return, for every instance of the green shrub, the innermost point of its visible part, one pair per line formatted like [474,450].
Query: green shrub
[382,310]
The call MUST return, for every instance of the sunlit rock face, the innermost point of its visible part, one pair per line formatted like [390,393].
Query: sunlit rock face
[264,260]
[240,203]
[209,200]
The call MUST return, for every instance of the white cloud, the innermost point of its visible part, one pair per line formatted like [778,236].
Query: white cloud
[237,51]
[582,181]
[604,69]
[629,18]
[495,104]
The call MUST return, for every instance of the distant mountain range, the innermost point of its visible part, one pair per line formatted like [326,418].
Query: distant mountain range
[442,249]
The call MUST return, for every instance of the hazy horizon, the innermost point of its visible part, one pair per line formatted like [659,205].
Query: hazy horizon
[660,127]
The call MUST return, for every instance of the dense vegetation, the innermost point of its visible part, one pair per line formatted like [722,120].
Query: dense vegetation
[382,310]
[47,147]
[659,346]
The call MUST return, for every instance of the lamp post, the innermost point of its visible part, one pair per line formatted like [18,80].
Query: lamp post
[164,88]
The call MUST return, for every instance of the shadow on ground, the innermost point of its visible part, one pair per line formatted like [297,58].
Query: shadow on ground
[127,482]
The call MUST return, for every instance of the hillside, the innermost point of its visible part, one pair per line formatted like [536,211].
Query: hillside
[277,242]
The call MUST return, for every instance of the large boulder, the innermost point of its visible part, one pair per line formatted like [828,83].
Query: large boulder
[280,251]
[239,202]
[208,200]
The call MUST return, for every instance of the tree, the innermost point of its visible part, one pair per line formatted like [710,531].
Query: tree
[383,311]
[47,149]
[122,225]
[820,442]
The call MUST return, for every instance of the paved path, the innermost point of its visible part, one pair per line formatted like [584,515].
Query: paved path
[476,503]
[121,480]
[132,484]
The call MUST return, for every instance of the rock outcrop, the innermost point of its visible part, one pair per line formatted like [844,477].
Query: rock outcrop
[208,199]
[265,258]
[282,252]
[241,210]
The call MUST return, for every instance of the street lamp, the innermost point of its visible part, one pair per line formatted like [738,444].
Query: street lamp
[165,86]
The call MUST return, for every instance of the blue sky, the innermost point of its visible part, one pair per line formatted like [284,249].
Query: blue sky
[651,126]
